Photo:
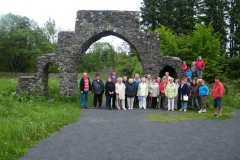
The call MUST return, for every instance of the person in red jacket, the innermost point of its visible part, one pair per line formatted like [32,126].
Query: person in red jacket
[162,87]
[184,66]
[217,94]
[200,66]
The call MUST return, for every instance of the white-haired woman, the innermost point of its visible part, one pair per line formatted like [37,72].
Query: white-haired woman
[120,92]
[142,93]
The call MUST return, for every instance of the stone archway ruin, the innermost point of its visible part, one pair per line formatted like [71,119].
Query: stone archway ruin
[91,26]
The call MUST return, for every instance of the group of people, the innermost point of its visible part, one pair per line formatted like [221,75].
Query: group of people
[165,93]
[195,71]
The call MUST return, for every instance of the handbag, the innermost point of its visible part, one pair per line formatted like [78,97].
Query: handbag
[185,98]
[139,98]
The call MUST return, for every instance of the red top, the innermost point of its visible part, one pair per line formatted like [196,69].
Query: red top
[217,90]
[86,85]
[184,67]
[200,65]
[162,87]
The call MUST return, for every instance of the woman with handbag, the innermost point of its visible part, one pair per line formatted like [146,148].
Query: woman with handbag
[183,93]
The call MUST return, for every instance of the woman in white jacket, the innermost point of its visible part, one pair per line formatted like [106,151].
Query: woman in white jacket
[120,92]
[142,93]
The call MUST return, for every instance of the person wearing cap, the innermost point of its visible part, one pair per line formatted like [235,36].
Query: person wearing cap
[97,90]
[85,87]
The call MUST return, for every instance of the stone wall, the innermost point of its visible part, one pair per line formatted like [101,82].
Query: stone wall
[91,26]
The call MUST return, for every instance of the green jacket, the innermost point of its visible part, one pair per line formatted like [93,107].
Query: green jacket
[139,88]
[171,90]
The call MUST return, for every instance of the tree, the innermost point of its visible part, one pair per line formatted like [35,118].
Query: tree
[234,28]
[168,42]
[215,11]
[21,42]
[177,15]
[50,30]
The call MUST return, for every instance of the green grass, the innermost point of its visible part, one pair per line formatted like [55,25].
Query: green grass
[26,120]
[231,102]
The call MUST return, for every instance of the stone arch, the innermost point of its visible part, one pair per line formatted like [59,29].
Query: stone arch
[89,27]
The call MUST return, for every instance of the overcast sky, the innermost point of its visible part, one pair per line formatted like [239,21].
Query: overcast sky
[64,11]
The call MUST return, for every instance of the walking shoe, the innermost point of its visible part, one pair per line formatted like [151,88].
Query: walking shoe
[180,110]
[204,110]
[185,110]
[99,107]
[214,115]
[86,107]
[168,110]
[94,107]
[129,108]
[124,109]
[200,111]
[219,116]
[173,110]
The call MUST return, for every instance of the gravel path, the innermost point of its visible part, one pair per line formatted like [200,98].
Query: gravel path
[119,135]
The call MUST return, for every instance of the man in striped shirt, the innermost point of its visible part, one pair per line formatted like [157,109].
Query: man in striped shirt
[85,87]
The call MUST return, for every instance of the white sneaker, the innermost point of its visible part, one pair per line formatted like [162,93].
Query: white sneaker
[204,111]
[144,108]
[119,108]
[185,110]
[124,109]
[173,110]
[180,109]
[168,110]
[131,108]
[200,111]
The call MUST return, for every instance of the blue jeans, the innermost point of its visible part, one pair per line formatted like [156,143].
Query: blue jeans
[84,99]
[184,105]
[196,101]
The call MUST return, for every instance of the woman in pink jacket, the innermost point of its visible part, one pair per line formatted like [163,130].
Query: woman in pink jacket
[200,66]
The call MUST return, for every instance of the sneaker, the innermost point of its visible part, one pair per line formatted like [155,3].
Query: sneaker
[168,110]
[200,111]
[214,115]
[173,110]
[185,110]
[218,116]
[180,110]
[119,108]
[94,107]
[124,109]
[204,110]
[131,108]
[99,107]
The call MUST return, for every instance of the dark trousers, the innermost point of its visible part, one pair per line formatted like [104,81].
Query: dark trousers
[97,98]
[126,104]
[154,102]
[108,101]
[114,99]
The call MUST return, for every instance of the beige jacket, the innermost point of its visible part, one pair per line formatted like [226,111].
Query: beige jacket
[120,90]
[154,90]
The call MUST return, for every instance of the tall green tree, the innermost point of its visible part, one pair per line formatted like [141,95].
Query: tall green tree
[21,42]
[215,11]
[177,15]
[234,27]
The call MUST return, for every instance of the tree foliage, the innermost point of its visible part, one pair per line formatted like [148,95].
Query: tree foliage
[102,55]
[202,42]
[21,42]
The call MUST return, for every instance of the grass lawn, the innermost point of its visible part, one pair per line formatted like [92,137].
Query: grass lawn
[231,102]
[26,120]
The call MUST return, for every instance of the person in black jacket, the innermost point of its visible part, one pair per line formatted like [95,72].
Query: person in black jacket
[85,87]
[183,90]
[109,93]
[130,92]
[98,90]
